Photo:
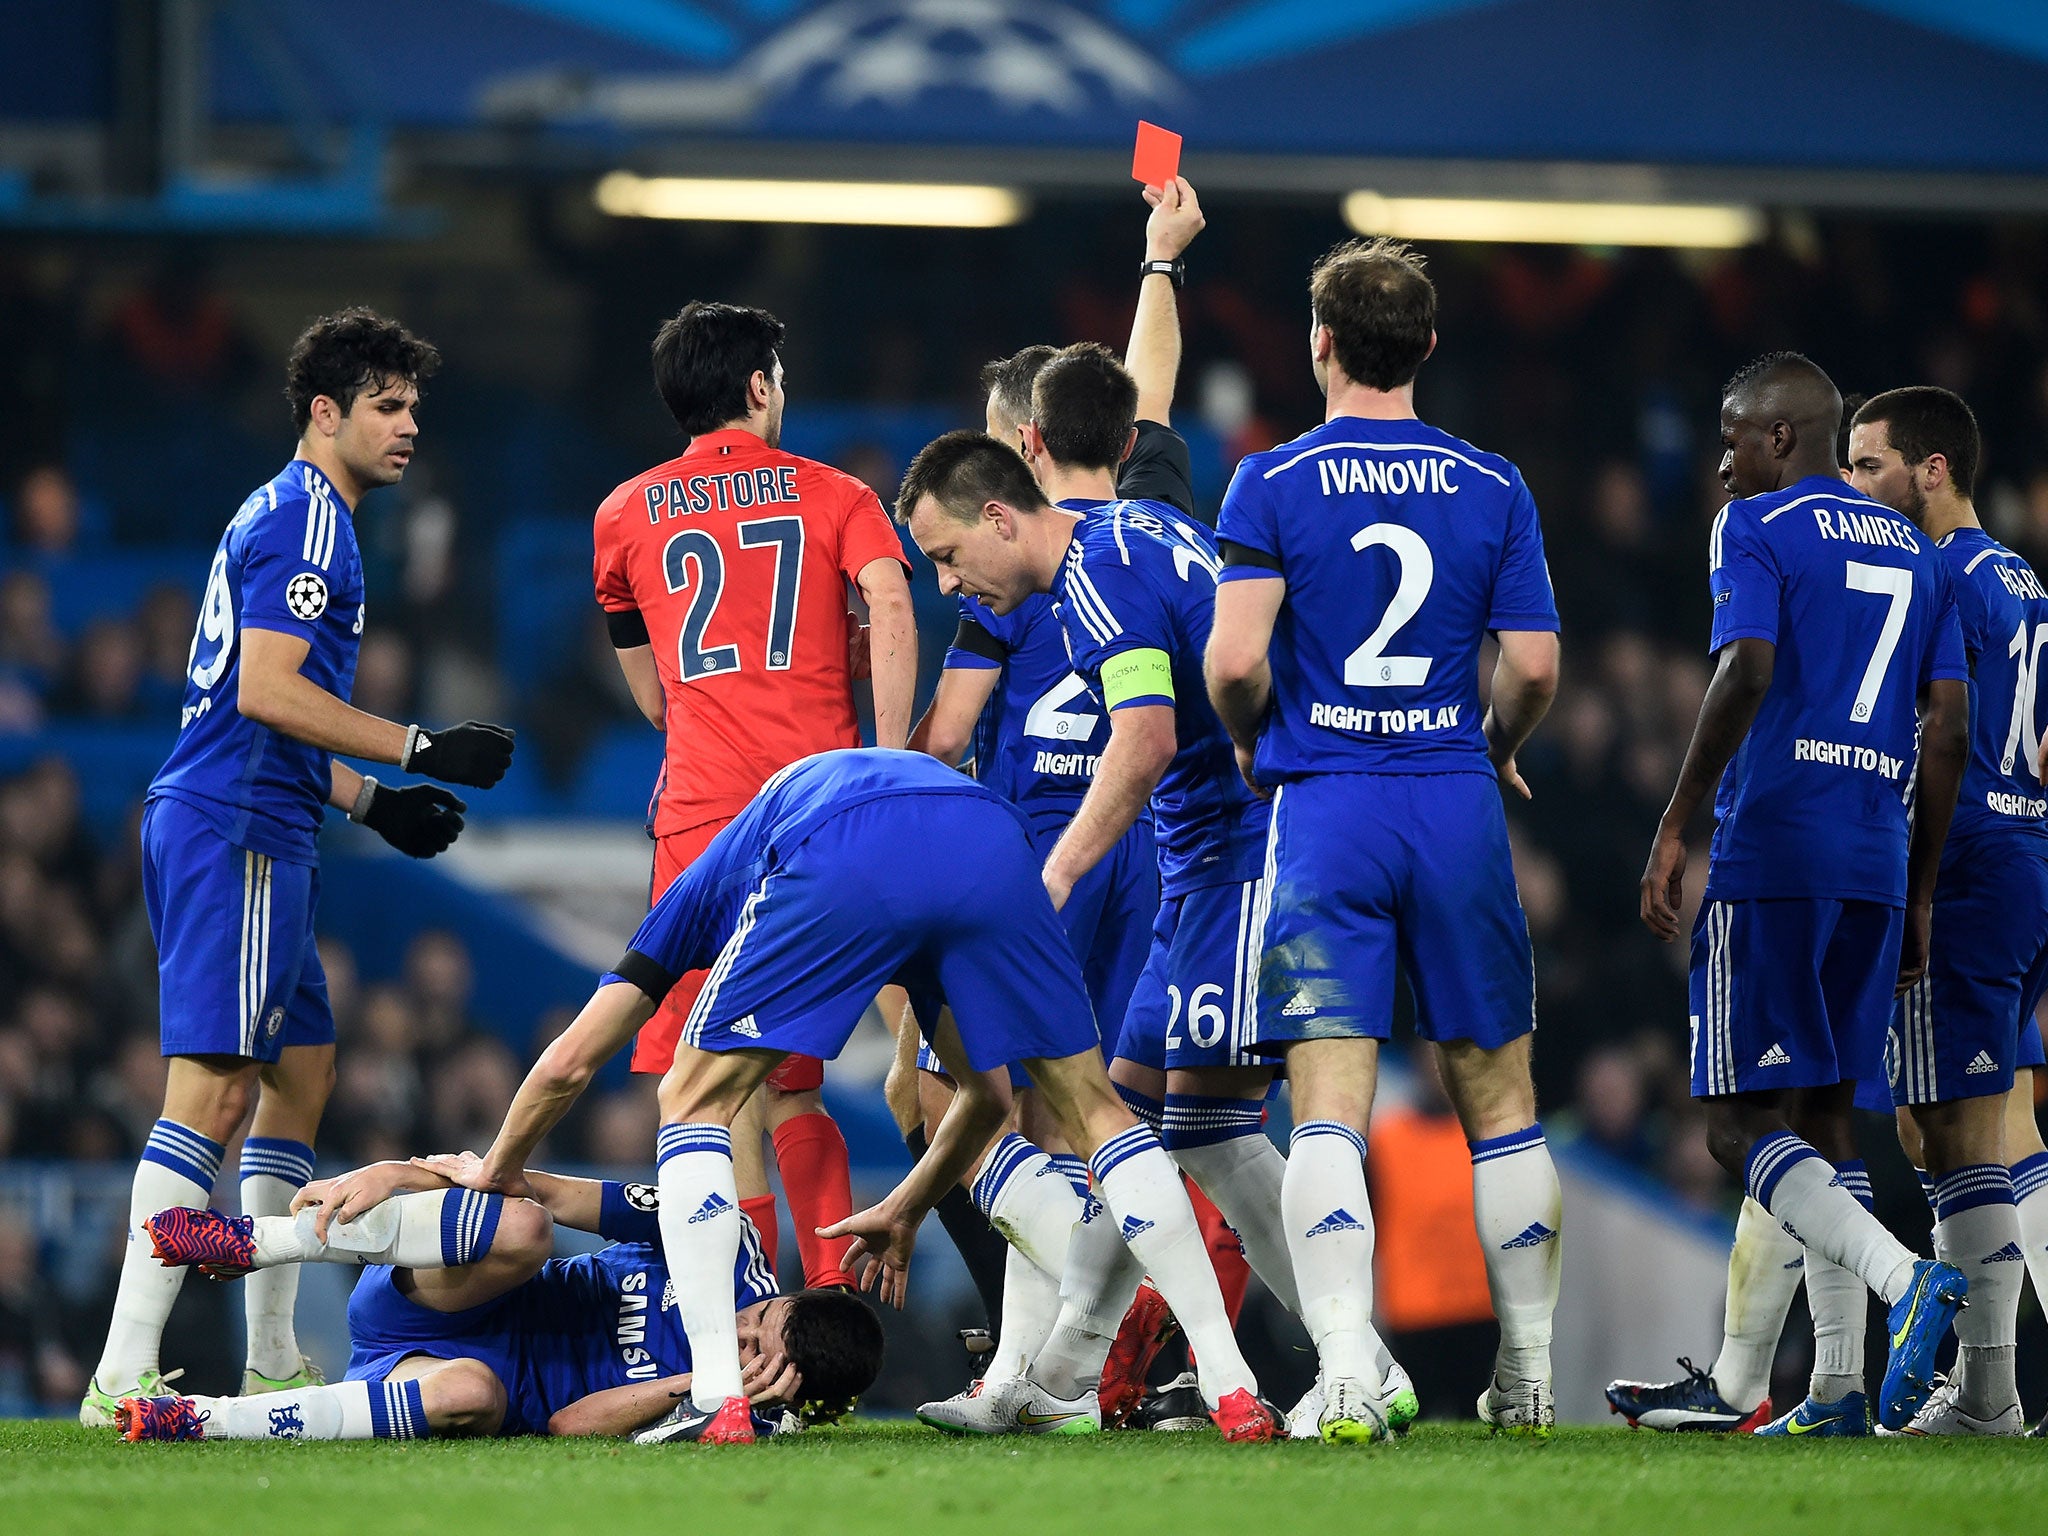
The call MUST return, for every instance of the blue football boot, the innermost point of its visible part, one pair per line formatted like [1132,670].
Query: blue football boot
[1830,1421]
[1691,1403]
[1916,1327]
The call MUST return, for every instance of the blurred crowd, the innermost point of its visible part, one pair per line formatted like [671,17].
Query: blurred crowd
[1598,372]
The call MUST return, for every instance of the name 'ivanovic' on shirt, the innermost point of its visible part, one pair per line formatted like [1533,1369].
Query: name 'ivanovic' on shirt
[1401,547]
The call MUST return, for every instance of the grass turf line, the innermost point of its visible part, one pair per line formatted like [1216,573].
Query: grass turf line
[906,1481]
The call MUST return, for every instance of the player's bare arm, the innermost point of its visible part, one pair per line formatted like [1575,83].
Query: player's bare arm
[892,648]
[559,1077]
[886,1233]
[643,678]
[947,727]
[1944,749]
[1524,684]
[1142,741]
[618,1411]
[272,692]
[1742,677]
[1239,675]
[1153,356]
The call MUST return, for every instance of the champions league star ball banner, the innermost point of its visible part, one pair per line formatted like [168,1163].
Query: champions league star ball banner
[1909,84]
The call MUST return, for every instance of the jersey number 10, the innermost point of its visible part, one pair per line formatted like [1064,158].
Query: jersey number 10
[693,562]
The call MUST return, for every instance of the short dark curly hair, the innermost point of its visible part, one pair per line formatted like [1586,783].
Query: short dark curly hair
[834,1340]
[351,351]
[1376,297]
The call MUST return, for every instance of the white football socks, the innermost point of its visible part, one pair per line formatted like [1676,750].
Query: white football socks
[427,1229]
[2030,1190]
[1031,1308]
[700,1238]
[178,1168]
[1026,1197]
[1143,1192]
[346,1410]
[1518,1209]
[274,1170]
[1840,1304]
[1218,1144]
[1329,1237]
[1764,1270]
[1977,1229]
[1096,1287]
[1792,1181]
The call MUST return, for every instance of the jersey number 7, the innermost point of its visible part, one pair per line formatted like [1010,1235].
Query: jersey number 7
[696,549]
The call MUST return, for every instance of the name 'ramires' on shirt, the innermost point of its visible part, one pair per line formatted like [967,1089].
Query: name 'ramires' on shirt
[1862,613]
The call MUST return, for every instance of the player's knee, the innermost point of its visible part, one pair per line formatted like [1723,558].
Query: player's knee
[526,1232]
[463,1397]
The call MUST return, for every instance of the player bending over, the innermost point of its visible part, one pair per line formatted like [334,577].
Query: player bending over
[802,910]
[1842,681]
[463,1323]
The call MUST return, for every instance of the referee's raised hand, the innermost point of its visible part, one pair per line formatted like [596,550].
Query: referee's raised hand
[471,753]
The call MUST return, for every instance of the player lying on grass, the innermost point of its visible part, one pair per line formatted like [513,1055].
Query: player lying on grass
[464,1324]
[802,910]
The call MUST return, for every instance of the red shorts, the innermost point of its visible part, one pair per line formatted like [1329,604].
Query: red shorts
[654,1048]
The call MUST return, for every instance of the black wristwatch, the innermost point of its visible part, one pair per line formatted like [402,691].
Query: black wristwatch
[1176,269]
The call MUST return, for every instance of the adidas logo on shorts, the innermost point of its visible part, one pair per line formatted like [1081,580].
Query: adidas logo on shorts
[1297,1007]
[1535,1235]
[747,1027]
[1980,1063]
[1774,1057]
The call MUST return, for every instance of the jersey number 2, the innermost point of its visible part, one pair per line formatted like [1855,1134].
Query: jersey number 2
[1369,666]
[694,549]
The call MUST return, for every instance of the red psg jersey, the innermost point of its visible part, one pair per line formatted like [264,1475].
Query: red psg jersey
[736,556]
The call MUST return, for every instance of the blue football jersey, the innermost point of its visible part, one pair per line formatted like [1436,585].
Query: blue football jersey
[607,1319]
[2004,612]
[1041,735]
[288,562]
[1862,613]
[1401,547]
[1136,595]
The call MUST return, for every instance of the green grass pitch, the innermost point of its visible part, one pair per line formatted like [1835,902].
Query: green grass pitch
[905,1481]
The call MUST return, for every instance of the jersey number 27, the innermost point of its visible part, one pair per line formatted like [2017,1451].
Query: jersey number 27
[693,562]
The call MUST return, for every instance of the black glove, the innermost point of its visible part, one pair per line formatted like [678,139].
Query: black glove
[470,753]
[419,820]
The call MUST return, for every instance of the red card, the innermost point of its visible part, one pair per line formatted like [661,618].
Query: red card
[1157,159]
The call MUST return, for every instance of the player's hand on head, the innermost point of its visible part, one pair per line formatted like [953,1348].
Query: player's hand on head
[419,820]
[880,1255]
[1663,886]
[1176,219]
[771,1379]
[471,753]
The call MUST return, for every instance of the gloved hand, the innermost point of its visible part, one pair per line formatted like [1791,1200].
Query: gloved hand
[470,753]
[419,820]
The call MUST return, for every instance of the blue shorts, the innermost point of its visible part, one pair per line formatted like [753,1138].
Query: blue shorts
[1108,918]
[938,892]
[1193,1006]
[1963,1029]
[386,1327]
[238,973]
[1792,993]
[1370,872]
